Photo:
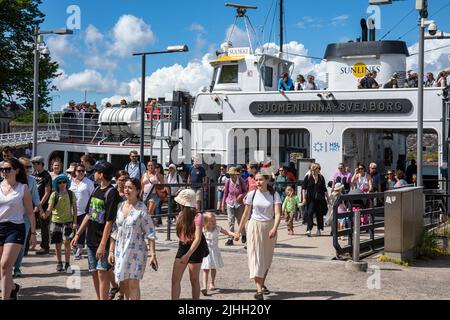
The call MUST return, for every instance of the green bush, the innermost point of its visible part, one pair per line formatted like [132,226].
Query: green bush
[27,117]
[428,246]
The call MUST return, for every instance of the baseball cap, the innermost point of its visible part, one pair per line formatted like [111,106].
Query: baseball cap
[39,159]
[104,167]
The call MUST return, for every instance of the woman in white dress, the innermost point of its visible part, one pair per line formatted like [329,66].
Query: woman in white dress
[213,261]
[128,253]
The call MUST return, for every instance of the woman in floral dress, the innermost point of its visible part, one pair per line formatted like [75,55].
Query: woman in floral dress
[128,253]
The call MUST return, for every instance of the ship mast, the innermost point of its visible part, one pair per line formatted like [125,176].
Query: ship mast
[281,26]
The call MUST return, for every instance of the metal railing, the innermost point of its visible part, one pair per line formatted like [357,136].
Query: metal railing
[371,208]
[85,127]
[22,138]
[436,202]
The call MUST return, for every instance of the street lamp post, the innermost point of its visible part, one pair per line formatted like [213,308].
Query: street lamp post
[37,34]
[171,49]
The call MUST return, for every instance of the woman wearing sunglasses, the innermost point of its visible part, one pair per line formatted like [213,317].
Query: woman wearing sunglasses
[361,179]
[82,187]
[15,200]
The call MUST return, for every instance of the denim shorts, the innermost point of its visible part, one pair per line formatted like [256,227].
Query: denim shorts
[12,233]
[95,264]
[220,195]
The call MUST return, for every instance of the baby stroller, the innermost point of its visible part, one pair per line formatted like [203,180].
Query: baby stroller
[358,205]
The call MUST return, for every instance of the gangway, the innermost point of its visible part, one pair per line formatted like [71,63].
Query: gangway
[25,138]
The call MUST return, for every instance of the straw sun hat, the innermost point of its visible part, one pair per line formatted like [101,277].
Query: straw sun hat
[186,198]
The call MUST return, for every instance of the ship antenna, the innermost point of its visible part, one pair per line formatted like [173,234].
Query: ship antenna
[281,26]
[241,12]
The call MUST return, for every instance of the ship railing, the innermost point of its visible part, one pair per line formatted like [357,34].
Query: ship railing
[84,127]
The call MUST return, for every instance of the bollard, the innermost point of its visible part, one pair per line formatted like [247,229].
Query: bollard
[356,235]
[356,265]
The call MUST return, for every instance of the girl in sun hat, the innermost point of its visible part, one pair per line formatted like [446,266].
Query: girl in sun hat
[192,247]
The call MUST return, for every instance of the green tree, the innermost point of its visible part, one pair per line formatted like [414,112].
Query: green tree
[18,18]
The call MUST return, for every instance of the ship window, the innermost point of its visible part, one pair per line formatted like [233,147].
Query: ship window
[214,77]
[229,74]
[267,74]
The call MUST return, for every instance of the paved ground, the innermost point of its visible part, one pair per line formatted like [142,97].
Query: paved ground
[302,269]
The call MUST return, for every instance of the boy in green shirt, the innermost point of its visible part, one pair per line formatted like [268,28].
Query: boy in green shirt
[63,209]
[290,206]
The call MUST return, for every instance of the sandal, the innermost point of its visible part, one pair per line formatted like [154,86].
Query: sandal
[265,290]
[112,293]
[204,292]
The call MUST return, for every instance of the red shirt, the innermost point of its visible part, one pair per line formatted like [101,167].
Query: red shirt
[251,183]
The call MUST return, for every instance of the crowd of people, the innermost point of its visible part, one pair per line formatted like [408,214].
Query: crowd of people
[114,215]
[412,80]
[369,81]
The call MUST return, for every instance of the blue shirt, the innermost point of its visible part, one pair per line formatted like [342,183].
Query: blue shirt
[289,85]
[197,175]
[133,169]
[33,189]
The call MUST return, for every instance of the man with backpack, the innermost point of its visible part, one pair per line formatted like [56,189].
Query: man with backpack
[101,212]
[135,168]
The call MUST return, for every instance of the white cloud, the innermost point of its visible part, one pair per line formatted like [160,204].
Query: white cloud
[60,47]
[99,62]
[130,34]
[197,27]
[190,78]
[340,18]
[239,37]
[88,79]
[435,61]
[200,41]
[93,37]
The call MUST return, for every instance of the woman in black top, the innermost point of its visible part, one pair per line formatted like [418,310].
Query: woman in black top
[316,198]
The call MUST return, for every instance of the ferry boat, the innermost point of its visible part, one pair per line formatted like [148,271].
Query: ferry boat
[242,117]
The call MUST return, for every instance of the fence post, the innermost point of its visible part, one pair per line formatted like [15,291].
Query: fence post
[356,235]
[169,212]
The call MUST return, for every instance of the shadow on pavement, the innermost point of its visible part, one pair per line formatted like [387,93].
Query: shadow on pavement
[285,245]
[442,262]
[48,293]
[282,295]
[37,263]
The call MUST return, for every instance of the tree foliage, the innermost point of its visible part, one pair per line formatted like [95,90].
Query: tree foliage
[18,18]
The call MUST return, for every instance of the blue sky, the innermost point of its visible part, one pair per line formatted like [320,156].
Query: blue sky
[98,56]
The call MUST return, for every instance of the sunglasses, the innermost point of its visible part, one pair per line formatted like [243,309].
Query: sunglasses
[390,174]
[80,171]
[360,168]
[62,182]
[6,170]
[134,156]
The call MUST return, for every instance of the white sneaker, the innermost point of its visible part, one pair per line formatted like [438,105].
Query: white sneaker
[79,254]
[318,233]
[308,233]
